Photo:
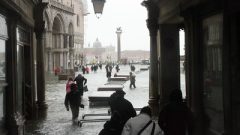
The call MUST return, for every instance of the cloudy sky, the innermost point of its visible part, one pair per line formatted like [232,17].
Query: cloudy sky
[130,15]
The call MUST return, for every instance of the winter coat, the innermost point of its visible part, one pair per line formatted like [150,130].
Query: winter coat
[134,125]
[176,119]
[124,107]
[72,98]
[80,82]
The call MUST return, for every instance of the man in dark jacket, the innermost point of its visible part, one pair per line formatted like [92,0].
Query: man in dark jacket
[81,80]
[72,99]
[176,118]
[119,104]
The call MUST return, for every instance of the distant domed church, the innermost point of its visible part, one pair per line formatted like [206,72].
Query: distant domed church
[97,44]
[97,53]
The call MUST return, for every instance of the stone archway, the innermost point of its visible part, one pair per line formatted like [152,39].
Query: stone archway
[57,42]
[47,40]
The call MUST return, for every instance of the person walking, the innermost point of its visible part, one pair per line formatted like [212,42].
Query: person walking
[81,80]
[132,80]
[176,118]
[118,104]
[72,99]
[142,124]
[117,68]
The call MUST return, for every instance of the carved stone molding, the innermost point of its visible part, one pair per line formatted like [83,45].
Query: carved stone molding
[153,14]
[153,26]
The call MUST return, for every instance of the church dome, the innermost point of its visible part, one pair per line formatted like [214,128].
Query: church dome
[97,44]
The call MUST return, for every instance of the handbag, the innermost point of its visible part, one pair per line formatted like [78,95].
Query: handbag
[85,88]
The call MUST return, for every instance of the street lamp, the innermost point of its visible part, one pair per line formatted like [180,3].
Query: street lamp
[98,7]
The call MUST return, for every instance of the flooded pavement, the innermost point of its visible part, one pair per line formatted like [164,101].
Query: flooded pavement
[58,121]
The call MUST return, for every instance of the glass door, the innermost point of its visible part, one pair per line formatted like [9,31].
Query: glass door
[3,38]
[212,73]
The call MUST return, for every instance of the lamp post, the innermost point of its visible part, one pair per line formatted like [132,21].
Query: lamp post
[98,7]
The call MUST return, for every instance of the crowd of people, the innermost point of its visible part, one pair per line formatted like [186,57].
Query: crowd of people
[174,119]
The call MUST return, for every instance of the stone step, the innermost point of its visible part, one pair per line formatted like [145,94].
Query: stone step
[123,75]
[115,83]
[110,88]
[118,79]
[144,69]
[99,98]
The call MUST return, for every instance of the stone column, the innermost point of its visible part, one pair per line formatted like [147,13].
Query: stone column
[40,71]
[39,29]
[119,32]
[169,61]
[14,120]
[152,24]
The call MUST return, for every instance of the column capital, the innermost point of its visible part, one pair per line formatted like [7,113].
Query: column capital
[39,21]
[153,26]
[153,14]
[152,8]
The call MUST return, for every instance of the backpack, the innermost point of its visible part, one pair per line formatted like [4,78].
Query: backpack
[73,87]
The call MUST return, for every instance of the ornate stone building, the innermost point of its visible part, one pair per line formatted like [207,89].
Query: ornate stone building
[64,33]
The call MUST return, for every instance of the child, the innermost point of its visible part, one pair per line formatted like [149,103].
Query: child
[68,85]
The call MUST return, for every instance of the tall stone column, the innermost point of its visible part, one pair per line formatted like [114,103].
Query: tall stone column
[14,119]
[119,32]
[152,24]
[39,29]
[169,61]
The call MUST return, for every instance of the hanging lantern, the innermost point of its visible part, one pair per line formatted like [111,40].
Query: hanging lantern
[98,7]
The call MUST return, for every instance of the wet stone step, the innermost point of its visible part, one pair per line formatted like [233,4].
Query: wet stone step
[110,88]
[115,83]
[122,75]
[144,69]
[118,79]
[99,98]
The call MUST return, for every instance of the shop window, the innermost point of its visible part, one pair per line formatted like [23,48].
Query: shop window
[212,75]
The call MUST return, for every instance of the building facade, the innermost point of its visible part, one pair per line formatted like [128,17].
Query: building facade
[64,33]
[135,56]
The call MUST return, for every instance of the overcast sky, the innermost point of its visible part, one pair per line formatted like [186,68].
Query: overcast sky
[130,15]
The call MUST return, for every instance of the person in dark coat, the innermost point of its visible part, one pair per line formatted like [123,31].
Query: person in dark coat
[176,118]
[72,99]
[81,80]
[113,126]
[119,104]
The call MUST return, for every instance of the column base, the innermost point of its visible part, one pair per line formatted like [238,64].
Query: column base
[42,105]
[15,124]
[153,103]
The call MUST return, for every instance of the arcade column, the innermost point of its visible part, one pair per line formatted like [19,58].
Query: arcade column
[152,24]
